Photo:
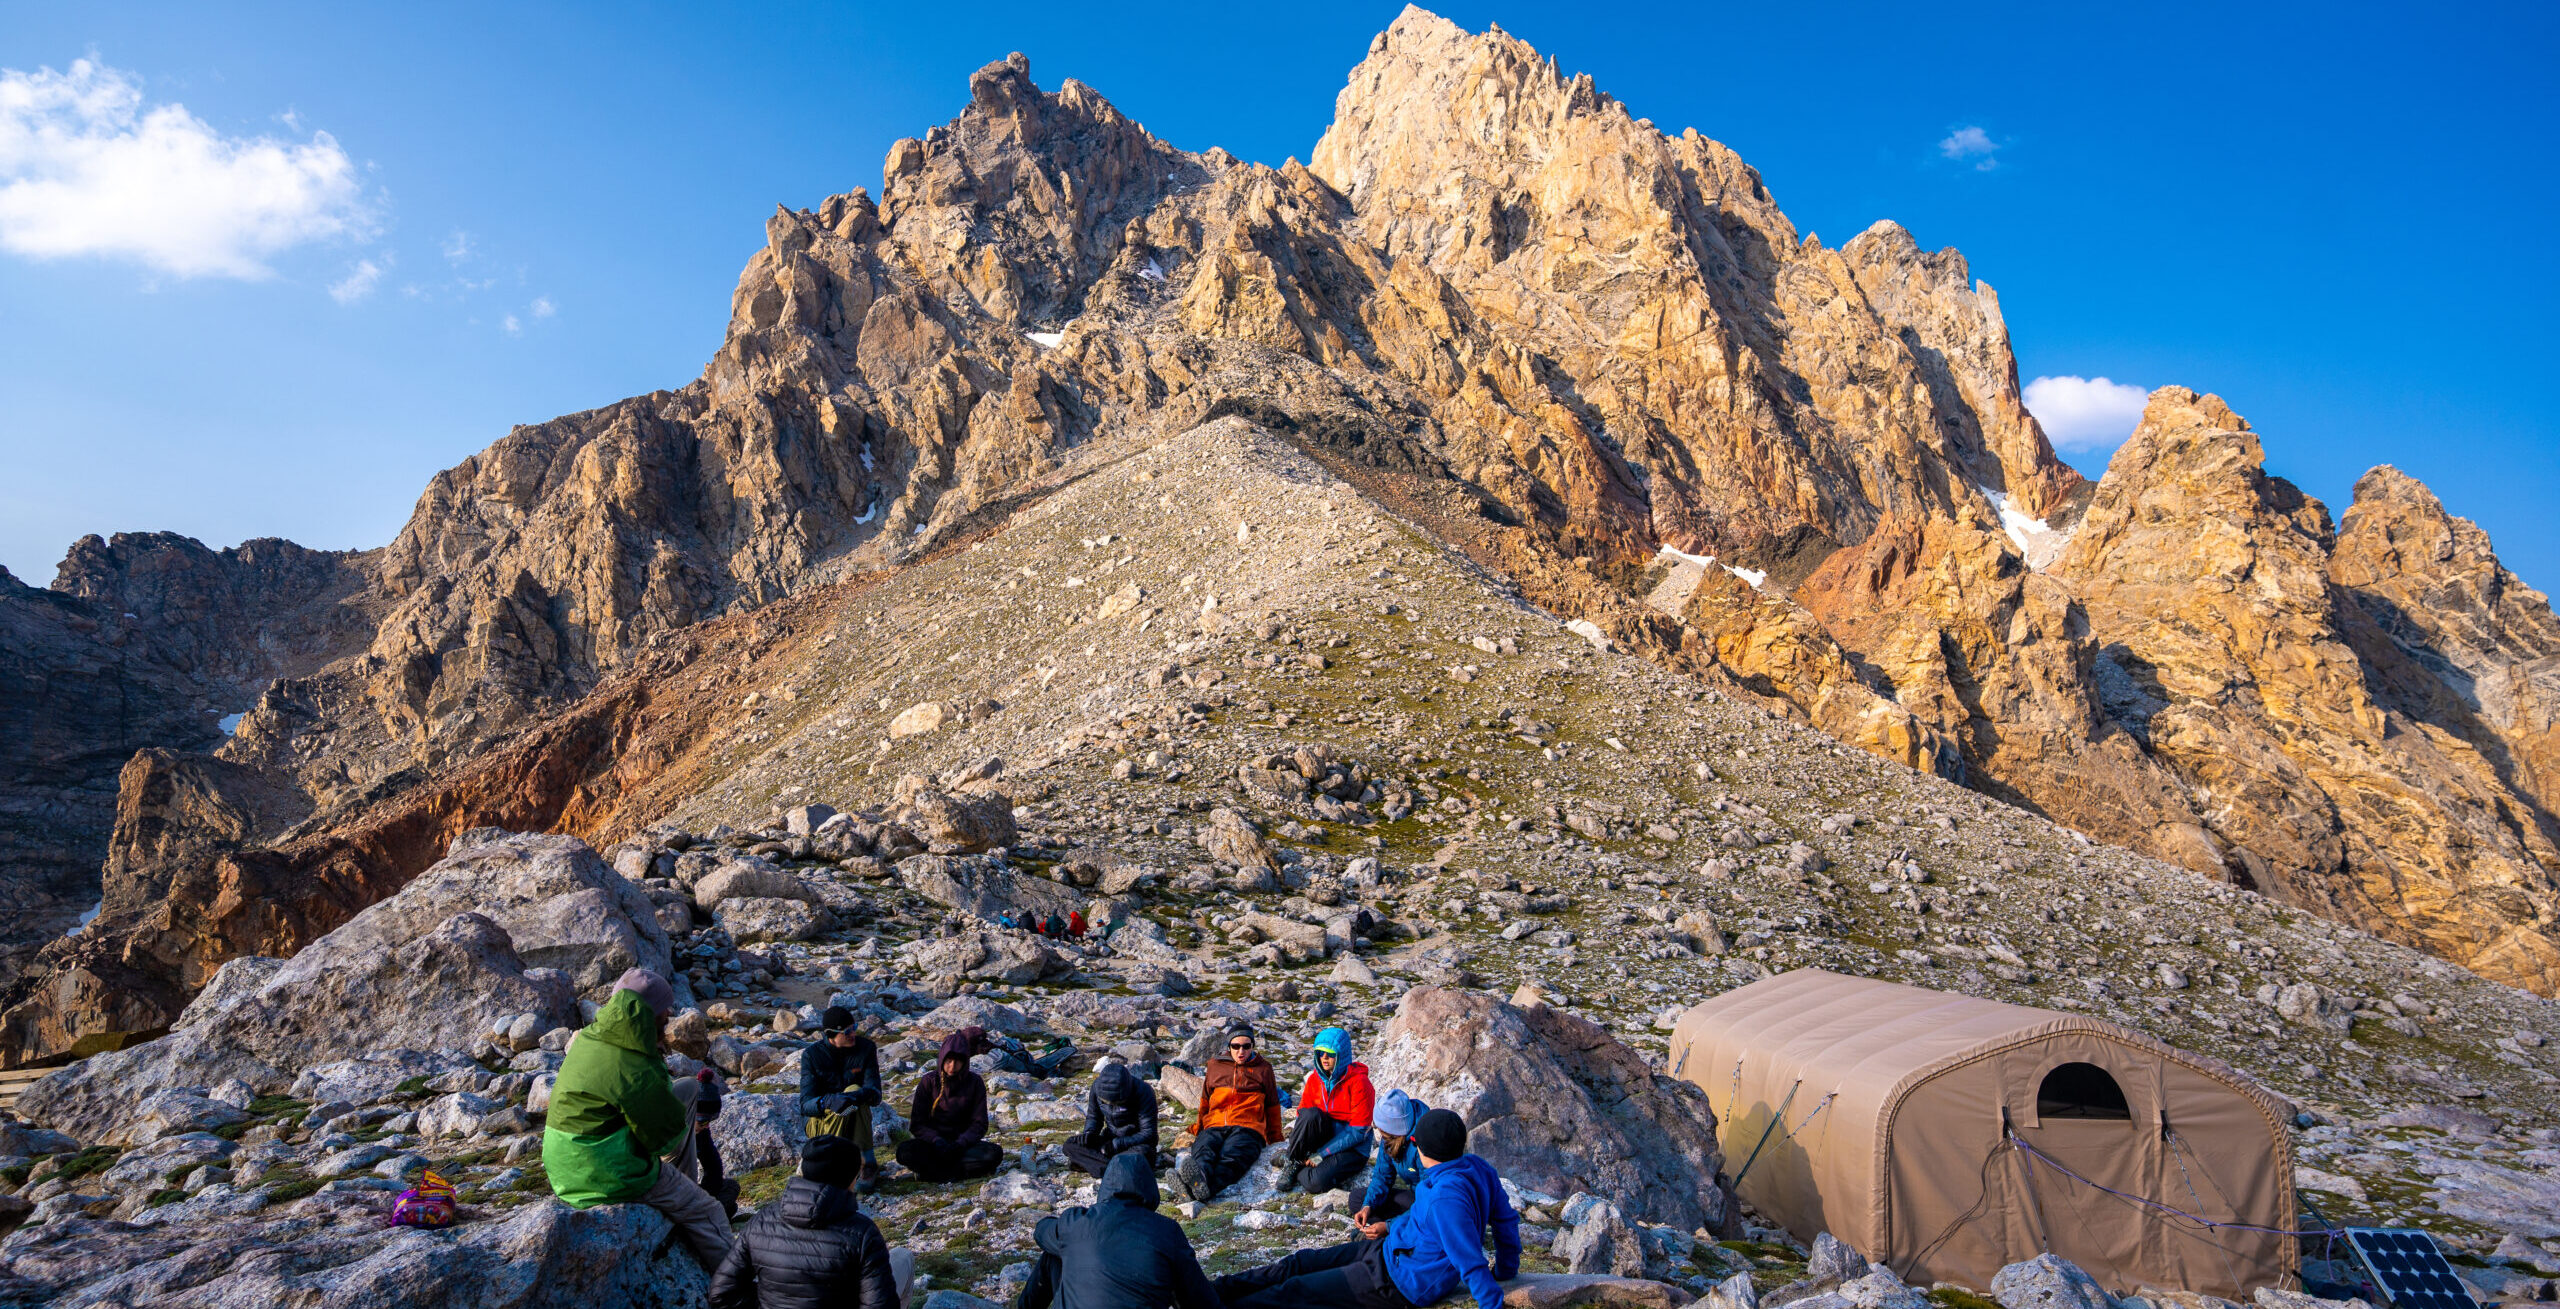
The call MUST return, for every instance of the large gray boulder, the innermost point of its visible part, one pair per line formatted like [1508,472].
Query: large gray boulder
[1556,1103]
[752,878]
[756,1130]
[1599,1241]
[429,969]
[324,1255]
[987,955]
[972,818]
[984,889]
[561,904]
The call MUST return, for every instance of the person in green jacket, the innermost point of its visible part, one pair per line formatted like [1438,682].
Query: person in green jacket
[614,1112]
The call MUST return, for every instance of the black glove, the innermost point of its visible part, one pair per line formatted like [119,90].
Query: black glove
[838,1103]
[866,1095]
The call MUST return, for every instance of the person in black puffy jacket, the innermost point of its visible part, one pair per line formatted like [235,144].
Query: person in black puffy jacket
[1119,1116]
[811,1248]
[1117,1253]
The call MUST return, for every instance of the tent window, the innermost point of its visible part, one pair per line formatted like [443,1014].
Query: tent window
[2081,1091]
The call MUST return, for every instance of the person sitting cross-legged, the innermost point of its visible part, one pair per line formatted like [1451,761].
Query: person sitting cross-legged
[1119,1118]
[1239,1115]
[1329,1145]
[1434,1248]
[949,1121]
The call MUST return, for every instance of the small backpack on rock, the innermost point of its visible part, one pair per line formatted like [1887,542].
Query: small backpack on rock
[428,1204]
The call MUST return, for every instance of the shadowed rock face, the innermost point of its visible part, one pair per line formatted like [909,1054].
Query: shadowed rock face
[1529,323]
[143,640]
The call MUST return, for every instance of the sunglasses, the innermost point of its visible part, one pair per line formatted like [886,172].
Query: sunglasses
[1239,1045]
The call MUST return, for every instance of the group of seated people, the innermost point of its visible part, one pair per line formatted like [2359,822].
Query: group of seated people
[619,1130]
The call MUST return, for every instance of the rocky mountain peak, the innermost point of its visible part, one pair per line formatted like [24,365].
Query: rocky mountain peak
[1594,360]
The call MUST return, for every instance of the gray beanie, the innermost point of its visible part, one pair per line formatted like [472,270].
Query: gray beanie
[652,990]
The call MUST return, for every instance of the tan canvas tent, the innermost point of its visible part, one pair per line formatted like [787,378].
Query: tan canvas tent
[1937,1133]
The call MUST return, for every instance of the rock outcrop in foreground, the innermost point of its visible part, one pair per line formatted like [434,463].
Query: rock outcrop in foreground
[1595,358]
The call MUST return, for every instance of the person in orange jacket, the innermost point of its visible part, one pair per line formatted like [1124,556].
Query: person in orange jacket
[1329,1146]
[1239,1115]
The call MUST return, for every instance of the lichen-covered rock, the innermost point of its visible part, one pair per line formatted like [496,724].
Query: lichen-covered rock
[372,1076]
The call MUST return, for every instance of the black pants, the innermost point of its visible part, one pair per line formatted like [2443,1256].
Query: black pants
[1317,1174]
[941,1161]
[1094,1158]
[1395,1201]
[1352,1275]
[1225,1154]
[1042,1287]
[706,1152]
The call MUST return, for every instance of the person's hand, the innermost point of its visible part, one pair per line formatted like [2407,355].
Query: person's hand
[838,1103]
[1361,1219]
[1374,1231]
[866,1096]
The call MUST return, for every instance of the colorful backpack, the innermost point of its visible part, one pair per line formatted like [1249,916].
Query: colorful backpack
[428,1204]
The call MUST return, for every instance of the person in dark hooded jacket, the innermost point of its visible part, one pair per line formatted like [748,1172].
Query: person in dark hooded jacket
[1119,1117]
[1117,1253]
[811,1248]
[949,1120]
[839,1083]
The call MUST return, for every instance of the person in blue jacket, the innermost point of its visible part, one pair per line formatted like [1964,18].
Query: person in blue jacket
[1399,1167]
[1433,1249]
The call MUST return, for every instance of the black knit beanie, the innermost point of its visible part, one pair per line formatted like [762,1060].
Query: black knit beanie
[830,1160]
[1441,1134]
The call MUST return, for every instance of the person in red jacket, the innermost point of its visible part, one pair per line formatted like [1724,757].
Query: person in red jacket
[1329,1144]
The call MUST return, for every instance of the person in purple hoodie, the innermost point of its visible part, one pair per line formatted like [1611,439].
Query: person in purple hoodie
[949,1120]
[1430,1250]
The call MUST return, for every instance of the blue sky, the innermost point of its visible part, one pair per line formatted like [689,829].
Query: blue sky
[410,230]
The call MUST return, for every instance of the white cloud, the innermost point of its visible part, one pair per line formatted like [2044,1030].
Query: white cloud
[87,169]
[457,247]
[511,326]
[543,308]
[358,283]
[1971,145]
[2085,413]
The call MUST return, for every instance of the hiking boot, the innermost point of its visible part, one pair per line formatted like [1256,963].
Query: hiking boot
[867,1181]
[1188,1174]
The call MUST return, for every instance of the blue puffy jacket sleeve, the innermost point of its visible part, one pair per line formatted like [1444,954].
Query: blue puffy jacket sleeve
[1382,1180]
[1347,1137]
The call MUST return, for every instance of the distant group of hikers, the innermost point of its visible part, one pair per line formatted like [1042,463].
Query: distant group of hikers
[622,1130]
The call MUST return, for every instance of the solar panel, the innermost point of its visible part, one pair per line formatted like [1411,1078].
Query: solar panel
[2409,1269]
